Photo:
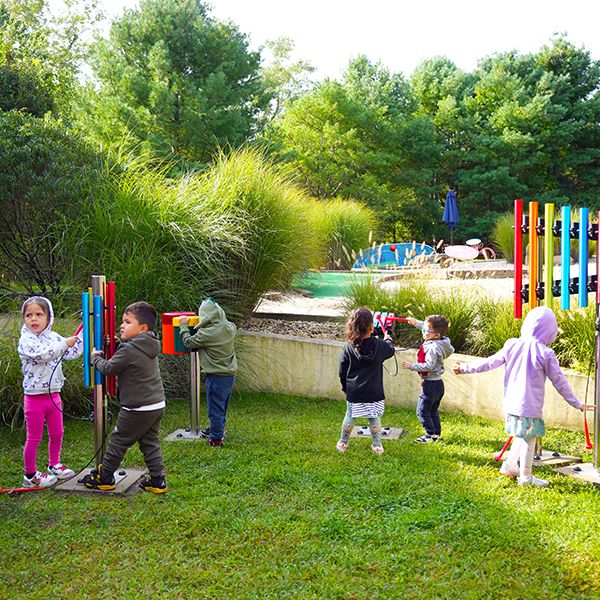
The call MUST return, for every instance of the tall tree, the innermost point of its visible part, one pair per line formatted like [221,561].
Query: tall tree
[520,126]
[174,82]
[41,53]
[286,79]
[359,138]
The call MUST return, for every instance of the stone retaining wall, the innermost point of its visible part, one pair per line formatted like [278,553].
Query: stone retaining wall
[309,367]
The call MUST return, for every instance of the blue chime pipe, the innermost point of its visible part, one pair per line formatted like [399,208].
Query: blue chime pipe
[565,257]
[98,306]
[582,297]
[85,319]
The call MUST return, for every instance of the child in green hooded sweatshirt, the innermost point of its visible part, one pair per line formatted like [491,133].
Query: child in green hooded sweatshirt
[214,338]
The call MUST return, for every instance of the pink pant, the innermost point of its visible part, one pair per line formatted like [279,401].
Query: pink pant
[38,409]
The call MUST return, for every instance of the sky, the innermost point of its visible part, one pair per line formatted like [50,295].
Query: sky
[401,34]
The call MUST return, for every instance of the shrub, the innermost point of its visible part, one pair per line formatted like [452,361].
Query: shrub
[47,174]
[494,323]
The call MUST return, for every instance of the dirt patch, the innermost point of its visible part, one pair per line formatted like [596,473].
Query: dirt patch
[327,330]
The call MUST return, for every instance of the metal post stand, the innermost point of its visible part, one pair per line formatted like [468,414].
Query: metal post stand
[195,385]
[590,471]
[194,432]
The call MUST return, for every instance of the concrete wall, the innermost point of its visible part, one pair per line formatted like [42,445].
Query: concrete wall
[309,367]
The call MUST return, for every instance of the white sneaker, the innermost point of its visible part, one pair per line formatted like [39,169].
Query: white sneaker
[533,481]
[506,470]
[60,471]
[39,480]
[342,446]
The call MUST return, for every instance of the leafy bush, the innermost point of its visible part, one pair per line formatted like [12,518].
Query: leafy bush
[47,174]
[479,325]
[416,299]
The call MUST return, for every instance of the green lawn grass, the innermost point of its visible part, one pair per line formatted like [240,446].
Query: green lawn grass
[278,513]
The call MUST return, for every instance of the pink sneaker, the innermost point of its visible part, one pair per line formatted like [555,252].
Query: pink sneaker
[60,471]
[39,480]
[378,449]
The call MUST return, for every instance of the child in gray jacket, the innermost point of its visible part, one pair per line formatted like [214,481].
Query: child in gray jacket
[430,366]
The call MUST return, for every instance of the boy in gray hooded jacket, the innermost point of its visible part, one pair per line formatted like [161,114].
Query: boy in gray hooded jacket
[214,338]
[430,366]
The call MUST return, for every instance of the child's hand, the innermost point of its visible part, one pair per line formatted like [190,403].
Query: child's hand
[405,364]
[183,319]
[386,335]
[456,368]
[71,341]
[97,352]
[411,321]
[587,407]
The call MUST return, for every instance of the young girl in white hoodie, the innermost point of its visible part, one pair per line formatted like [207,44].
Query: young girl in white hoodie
[41,351]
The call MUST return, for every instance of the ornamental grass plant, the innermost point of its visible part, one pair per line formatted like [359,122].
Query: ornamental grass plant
[479,324]
[347,226]
[233,232]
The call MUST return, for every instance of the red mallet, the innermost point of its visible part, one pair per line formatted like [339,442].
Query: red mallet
[392,248]
[586,429]
[499,455]
[21,490]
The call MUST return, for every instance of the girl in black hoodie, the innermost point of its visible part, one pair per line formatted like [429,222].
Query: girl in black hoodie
[361,375]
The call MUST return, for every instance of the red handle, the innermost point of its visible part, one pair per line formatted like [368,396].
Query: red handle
[586,429]
[78,330]
[499,455]
[21,490]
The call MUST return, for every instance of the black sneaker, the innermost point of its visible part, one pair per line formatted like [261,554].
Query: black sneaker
[425,439]
[205,432]
[155,485]
[215,443]
[97,480]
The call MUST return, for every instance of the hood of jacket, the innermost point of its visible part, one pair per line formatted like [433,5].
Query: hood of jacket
[366,351]
[212,315]
[443,345]
[540,324]
[146,342]
[39,299]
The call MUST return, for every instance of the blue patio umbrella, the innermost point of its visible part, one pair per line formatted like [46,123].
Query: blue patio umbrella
[450,216]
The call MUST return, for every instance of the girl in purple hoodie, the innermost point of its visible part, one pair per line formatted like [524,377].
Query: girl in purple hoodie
[528,361]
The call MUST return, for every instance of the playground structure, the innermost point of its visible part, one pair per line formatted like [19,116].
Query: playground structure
[172,345]
[542,288]
[98,314]
[99,331]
